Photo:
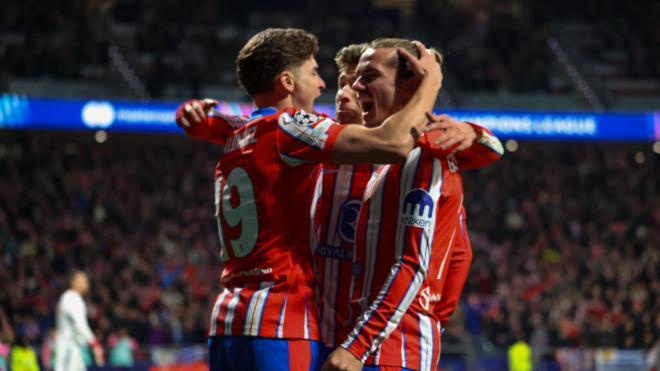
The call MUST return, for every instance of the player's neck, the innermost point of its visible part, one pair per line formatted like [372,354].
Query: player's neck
[277,102]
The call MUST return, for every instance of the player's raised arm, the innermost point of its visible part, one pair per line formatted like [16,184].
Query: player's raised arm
[395,138]
[199,120]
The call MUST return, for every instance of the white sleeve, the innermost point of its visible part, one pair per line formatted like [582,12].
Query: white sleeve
[75,308]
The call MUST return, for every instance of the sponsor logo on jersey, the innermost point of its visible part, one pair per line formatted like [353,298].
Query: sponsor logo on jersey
[426,298]
[348,215]
[418,208]
[334,252]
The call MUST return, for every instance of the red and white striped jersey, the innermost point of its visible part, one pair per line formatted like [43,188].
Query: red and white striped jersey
[339,204]
[406,228]
[335,222]
[264,188]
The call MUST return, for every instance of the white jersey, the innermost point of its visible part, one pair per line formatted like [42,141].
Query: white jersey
[73,332]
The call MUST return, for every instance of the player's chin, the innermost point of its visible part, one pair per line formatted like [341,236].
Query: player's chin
[348,116]
[370,118]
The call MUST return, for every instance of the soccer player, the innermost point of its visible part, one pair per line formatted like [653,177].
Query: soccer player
[266,317]
[339,205]
[338,208]
[408,218]
[73,332]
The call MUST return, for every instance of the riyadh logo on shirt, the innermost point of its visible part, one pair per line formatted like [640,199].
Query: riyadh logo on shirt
[417,209]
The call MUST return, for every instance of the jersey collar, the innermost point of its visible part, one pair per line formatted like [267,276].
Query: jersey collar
[261,112]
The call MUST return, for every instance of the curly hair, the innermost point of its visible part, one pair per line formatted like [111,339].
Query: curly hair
[270,52]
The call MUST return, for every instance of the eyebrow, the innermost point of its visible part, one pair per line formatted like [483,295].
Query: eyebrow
[362,67]
[367,69]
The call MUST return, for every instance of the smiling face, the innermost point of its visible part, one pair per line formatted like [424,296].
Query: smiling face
[308,84]
[381,92]
[346,100]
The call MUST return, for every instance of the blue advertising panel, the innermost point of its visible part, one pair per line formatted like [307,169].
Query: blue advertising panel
[19,112]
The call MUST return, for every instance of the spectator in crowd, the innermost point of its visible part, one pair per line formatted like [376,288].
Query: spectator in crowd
[5,349]
[23,357]
[122,347]
[519,354]
[566,254]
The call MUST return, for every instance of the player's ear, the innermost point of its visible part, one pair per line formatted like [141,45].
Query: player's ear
[286,80]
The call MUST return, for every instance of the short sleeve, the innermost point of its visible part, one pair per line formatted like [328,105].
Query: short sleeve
[304,137]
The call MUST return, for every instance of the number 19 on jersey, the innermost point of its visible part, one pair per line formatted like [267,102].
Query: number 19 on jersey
[236,207]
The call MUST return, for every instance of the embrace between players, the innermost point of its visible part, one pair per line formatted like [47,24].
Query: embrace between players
[344,243]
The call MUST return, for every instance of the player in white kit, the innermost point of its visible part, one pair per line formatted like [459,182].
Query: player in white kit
[73,331]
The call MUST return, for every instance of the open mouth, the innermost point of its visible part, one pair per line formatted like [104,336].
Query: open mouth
[367,107]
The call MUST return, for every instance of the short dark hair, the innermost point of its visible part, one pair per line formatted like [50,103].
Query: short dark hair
[349,56]
[408,45]
[270,52]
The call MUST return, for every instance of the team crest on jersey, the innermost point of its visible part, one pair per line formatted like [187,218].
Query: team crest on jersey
[417,210]
[348,215]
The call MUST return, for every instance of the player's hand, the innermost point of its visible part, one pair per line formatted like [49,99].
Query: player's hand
[451,132]
[427,67]
[99,356]
[342,360]
[194,112]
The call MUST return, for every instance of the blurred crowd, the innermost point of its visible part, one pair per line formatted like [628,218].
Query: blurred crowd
[488,45]
[136,217]
[565,241]
[566,247]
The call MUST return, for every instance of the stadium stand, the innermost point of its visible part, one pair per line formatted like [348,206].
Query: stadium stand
[560,254]
[565,235]
[165,50]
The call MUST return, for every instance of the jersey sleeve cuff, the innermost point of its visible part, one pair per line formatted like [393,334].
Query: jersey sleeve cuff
[359,348]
